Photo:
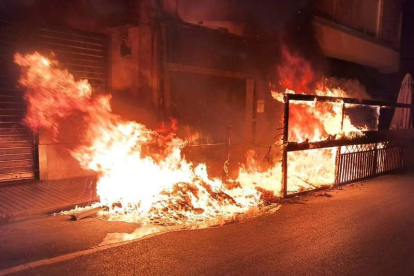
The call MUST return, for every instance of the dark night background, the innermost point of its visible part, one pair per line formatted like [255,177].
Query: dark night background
[407,38]
[95,15]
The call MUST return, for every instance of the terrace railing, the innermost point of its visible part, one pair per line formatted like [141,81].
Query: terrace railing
[374,153]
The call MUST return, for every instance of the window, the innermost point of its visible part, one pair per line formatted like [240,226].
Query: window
[368,14]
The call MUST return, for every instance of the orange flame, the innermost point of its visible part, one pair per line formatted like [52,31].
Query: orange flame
[295,73]
[161,185]
[142,172]
[312,122]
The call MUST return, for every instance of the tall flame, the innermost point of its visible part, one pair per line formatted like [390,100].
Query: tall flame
[140,171]
[143,173]
[311,121]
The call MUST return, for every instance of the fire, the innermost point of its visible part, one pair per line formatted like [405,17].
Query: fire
[312,122]
[141,172]
[311,169]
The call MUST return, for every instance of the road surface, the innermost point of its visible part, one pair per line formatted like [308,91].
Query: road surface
[364,229]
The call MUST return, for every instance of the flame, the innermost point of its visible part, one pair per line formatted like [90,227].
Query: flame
[311,122]
[141,172]
[311,169]
[295,73]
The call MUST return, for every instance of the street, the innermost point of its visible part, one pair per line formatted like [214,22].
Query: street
[364,229]
[216,137]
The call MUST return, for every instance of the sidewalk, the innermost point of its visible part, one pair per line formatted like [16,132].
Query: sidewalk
[21,200]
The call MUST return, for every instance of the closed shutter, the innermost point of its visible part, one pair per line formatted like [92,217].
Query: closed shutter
[17,150]
[84,54]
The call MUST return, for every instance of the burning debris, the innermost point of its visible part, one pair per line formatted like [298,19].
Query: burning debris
[143,174]
[148,184]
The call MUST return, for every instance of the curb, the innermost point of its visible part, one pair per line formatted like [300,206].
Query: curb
[42,212]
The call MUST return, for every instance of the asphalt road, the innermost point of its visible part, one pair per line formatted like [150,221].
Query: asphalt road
[364,229]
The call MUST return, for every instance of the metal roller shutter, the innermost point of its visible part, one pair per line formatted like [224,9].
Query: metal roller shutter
[17,150]
[83,54]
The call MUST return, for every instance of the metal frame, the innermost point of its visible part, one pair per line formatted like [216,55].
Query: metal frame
[359,164]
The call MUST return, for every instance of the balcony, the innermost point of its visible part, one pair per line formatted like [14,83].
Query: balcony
[363,32]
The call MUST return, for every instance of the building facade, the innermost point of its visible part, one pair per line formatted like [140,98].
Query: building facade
[209,64]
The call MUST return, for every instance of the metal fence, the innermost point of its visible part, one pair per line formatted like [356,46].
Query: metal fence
[374,153]
[356,162]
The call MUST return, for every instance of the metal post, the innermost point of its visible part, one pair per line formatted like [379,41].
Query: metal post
[343,116]
[228,135]
[401,161]
[338,150]
[285,142]
[227,153]
[374,167]
[337,165]
[35,155]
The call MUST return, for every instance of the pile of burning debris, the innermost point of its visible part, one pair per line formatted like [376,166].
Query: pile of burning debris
[163,185]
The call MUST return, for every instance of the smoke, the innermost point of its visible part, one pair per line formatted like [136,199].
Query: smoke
[256,19]
[298,74]
[92,15]
[353,87]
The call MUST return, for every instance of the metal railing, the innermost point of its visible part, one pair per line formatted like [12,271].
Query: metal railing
[376,152]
